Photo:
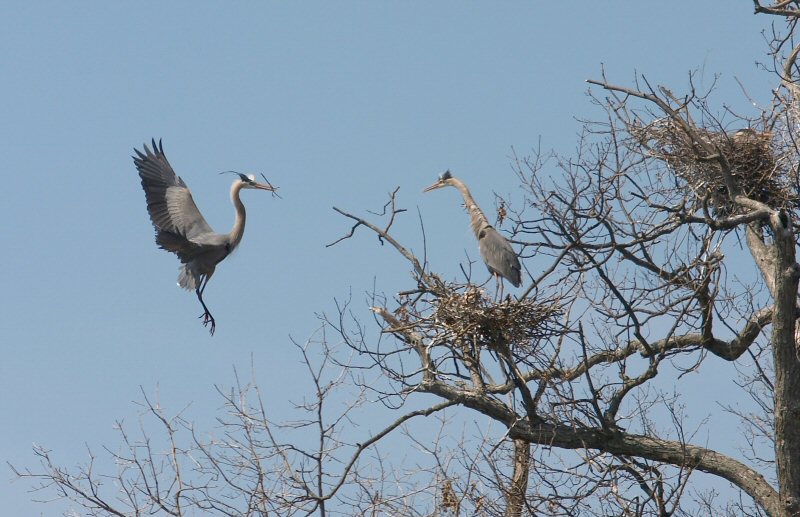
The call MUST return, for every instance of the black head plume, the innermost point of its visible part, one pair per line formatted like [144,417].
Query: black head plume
[242,177]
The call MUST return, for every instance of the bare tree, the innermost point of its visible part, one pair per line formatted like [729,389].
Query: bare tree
[250,466]
[667,242]
[642,230]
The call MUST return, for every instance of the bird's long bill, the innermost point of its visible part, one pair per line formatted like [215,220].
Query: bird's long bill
[436,185]
[267,185]
[262,186]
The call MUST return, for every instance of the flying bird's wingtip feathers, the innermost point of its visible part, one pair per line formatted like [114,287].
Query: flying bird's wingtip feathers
[157,148]
[141,154]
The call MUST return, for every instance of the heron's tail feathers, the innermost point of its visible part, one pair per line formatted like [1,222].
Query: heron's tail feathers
[187,278]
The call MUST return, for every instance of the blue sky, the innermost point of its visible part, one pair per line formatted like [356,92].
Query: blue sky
[337,104]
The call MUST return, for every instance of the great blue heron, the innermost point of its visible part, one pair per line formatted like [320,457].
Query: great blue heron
[496,251]
[181,228]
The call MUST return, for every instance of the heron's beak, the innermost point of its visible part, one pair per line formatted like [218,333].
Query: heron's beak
[264,187]
[267,186]
[436,185]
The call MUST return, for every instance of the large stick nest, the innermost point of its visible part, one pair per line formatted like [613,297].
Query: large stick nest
[470,317]
[755,167]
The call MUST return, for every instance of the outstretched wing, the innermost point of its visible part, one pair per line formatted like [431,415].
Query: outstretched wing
[169,201]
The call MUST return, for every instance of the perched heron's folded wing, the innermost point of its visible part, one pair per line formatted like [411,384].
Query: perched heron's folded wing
[499,256]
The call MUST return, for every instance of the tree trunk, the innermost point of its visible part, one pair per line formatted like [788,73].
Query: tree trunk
[787,366]
[519,480]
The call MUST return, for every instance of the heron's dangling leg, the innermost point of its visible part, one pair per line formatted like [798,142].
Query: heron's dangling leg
[207,317]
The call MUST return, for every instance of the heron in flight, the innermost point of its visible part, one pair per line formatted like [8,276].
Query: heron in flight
[181,228]
[496,251]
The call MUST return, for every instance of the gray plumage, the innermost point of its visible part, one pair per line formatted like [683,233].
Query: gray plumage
[181,228]
[496,252]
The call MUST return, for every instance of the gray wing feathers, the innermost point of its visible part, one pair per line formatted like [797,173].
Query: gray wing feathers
[172,210]
[499,256]
[183,213]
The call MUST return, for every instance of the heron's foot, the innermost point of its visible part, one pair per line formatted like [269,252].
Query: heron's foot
[208,318]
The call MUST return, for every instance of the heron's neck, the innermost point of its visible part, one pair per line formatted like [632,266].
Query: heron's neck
[237,231]
[477,219]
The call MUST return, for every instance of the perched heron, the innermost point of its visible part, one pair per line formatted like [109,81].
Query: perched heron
[496,251]
[181,228]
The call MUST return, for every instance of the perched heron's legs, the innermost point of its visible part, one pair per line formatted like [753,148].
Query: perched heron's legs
[207,317]
[498,287]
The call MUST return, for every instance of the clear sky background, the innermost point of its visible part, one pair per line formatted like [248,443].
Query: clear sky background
[337,103]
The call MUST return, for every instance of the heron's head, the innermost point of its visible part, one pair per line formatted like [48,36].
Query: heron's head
[445,179]
[249,181]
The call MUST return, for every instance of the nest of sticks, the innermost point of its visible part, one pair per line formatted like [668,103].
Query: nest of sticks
[754,165]
[470,317]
